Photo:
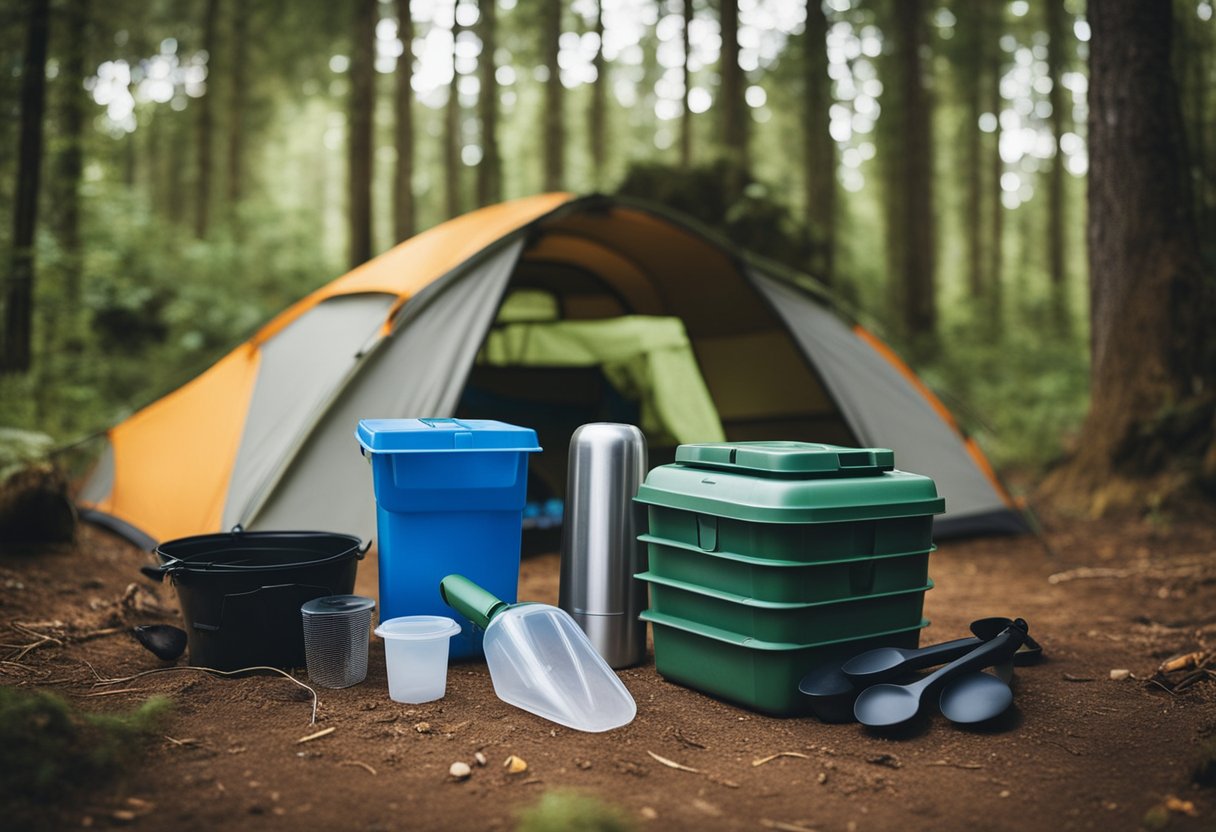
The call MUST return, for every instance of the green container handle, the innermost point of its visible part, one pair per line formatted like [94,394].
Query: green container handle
[470,600]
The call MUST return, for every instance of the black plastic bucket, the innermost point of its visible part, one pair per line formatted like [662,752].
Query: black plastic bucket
[241,592]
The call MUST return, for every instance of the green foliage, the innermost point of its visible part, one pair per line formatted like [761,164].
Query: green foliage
[50,749]
[21,448]
[566,811]
[1021,395]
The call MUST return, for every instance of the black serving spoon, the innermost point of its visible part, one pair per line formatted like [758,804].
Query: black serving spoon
[830,692]
[886,705]
[884,663]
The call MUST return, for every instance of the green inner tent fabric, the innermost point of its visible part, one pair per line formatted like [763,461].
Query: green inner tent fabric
[647,359]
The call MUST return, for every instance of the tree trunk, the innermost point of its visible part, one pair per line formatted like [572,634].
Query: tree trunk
[595,118]
[1055,173]
[202,193]
[733,108]
[403,177]
[362,116]
[972,26]
[237,107]
[451,134]
[69,169]
[819,162]
[15,357]
[686,116]
[489,172]
[995,289]
[555,128]
[915,208]
[1151,305]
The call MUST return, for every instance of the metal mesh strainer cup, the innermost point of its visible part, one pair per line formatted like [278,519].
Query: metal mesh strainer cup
[336,631]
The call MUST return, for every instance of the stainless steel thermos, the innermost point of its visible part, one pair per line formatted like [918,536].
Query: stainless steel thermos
[600,548]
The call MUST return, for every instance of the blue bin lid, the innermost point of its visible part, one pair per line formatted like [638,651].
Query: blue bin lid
[380,436]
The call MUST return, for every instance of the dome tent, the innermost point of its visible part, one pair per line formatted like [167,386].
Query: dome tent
[263,438]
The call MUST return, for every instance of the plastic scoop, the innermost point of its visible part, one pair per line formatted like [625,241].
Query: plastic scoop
[541,661]
[885,705]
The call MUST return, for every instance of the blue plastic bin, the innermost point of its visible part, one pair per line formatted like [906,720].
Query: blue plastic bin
[450,495]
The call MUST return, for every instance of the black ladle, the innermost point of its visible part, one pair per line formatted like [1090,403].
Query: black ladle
[886,705]
[830,693]
[884,663]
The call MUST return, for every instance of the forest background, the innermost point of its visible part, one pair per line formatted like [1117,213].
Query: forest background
[204,164]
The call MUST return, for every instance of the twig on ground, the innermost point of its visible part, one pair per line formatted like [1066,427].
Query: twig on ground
[968,766]
[1068,677]
[316,700]
[182,743]
[772,757]
[673,763]
[324,732]
[782,826]
[110,692]
[360,764]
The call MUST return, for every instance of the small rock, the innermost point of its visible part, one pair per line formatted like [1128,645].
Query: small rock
[460,771]
[422,727]
[649,813]
[1004,793]
[515,765]
[123,815]
[1119,675]
[479,758]
[822,778]
[584,764]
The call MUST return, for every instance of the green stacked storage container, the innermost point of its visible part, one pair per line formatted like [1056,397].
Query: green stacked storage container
[767,558]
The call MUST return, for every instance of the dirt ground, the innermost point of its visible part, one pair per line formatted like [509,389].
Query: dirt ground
[1079,751]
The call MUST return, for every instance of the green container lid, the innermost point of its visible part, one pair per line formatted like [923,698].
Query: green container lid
[789,482]
[803,458]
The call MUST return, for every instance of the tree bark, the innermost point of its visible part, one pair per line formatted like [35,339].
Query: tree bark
[1151,305]
[595,118]
[733,108]
[403,177]
[237,107]
[686,116]
[972,26]
[914,211]
[555,128]
[489,172]
[819,162]
[361,120]
[451,134]
[1058,43]
[15,357]
[995,289]
[202,194]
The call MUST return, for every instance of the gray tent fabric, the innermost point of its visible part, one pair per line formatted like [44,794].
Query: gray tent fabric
[300,369]
[418,371]
[881,406]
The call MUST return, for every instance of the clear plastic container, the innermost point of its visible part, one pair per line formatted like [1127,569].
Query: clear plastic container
[416,656]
